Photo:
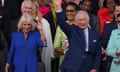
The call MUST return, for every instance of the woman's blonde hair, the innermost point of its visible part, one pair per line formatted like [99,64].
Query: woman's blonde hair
[37,13]
[26,18]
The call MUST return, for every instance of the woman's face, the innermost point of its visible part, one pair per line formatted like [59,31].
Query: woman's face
[116,11]
[26,27]
[86,5]
[70,12]
[110,5]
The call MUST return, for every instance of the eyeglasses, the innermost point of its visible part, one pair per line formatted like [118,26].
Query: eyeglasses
[70,10]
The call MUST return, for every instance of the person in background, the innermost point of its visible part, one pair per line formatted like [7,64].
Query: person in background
[105,14]
[10,9]
[77,2]
[84,54]
[94,21]
[106,36]
[95,6]
[3,52]
[101,3]
[23,47]
[61,41]
[51,17]
[113,47]
[47,52]
[44,6]
[26,7]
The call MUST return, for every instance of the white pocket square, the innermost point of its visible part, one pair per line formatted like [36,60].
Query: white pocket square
[94,41]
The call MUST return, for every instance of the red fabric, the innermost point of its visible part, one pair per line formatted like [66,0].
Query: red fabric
[44,10]
[104,17]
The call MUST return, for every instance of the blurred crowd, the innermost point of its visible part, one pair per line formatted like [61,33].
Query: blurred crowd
[59,35]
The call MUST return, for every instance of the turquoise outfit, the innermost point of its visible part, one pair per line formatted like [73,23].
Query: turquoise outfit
[113,45]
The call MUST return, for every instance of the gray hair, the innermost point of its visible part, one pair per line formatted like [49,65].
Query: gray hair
[25,1]
[81,12]
[26,18]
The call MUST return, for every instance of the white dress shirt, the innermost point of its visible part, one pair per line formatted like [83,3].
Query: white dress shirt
[86,39]
[2,2]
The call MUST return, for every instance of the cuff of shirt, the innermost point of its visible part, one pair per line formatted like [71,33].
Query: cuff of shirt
[59,10]
[64,51]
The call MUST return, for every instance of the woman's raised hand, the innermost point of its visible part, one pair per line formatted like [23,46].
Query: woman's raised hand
[58,4]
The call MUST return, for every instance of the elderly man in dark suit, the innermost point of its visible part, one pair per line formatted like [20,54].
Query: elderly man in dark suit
[84,53]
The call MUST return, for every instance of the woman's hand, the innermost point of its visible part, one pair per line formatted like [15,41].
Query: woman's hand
[58,4]
[59,51]
[39,25]
[40,29]
[7,67]
[118,52]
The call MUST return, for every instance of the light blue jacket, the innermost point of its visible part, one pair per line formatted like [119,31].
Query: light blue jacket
[113,44]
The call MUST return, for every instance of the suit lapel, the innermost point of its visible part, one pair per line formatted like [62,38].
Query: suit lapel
[90,38]
[81,37]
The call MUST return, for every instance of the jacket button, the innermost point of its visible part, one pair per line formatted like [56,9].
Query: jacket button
[84,57]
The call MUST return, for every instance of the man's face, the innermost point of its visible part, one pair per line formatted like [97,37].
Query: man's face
[117,11]
[82,21]
[27,8]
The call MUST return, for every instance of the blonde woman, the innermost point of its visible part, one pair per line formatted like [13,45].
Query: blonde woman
[47,52]
[24,46]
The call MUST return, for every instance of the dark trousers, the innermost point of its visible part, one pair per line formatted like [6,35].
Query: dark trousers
[108,63]
[55,65]
[105,65]
[83,68]
[2,66]
[66,71]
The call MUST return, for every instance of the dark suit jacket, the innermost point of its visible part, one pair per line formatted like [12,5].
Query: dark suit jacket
[94,22]
[76,59]
[11,11]
[107,32]
[3,48]
[49,17]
